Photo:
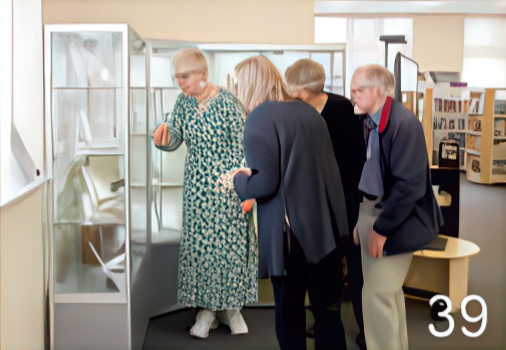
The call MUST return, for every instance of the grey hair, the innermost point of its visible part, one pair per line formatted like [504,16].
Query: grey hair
[305,74]
[375,75]
[189,59]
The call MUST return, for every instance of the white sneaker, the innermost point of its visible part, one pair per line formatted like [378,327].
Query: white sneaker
[206,320]
[234,320]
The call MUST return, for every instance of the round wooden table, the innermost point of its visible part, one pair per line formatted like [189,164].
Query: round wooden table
[443,272]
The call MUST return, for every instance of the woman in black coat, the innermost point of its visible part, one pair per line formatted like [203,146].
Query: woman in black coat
[292,175]
[305,80]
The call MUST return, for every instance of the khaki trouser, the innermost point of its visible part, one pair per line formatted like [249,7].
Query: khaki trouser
[382,296]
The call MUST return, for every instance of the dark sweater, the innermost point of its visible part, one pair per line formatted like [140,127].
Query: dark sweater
[288,148]
[347,135]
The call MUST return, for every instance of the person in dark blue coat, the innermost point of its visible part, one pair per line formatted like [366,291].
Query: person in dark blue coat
[295,180]
[398,214]
[305,80]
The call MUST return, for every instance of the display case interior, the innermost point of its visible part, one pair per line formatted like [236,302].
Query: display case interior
[90,108]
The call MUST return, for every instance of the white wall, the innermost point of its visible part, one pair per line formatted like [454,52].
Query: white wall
[21,261]
[437,39]
[21,249]
[254,21]
[438,42]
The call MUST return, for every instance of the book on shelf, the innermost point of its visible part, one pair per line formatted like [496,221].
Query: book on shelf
[500,127]
[500,107]
[476,105]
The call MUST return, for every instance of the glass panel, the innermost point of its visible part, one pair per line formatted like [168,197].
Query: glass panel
[283,60]
[138,208]
[138,110]
[324,60]
[102,114]
[225,63]
[90,258]
[158,110]
[169,99]
[156,215]
[137,71]
[338,73]
[68,107]
[162,103]
[172,208]
[138,139]
[87,59]
[173,165]
[85,118]
[161,71]
[85,191]
[89,231]
[138,154]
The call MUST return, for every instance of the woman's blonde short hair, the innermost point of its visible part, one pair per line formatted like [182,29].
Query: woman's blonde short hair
[189,59]
[258,80]
[375,75]
[305,74]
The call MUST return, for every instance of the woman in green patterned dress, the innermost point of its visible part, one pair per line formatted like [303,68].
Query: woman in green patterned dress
[218,252]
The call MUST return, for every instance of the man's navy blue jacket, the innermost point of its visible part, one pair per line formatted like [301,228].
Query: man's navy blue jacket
[410,216]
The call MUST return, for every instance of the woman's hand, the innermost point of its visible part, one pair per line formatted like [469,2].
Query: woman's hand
[247,171]
[376,244]
[247,205]
[161,135]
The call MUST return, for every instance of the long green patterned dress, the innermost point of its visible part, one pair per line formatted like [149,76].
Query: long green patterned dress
[218,253]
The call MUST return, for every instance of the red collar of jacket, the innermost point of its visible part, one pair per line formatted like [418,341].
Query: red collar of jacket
[385,115]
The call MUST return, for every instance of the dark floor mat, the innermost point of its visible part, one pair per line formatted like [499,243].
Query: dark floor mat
[171,332]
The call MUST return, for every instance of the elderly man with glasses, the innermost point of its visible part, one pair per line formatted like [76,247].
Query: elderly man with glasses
[398,213]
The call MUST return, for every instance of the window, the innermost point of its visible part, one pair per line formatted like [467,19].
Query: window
[361,36]
[484,52]
[364,47]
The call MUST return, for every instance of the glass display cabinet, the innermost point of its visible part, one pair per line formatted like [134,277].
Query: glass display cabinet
[116,200]
[95,91]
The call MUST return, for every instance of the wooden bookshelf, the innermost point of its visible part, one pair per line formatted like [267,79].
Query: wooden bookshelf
[445,116]
[487,164]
